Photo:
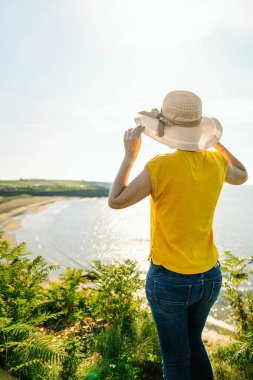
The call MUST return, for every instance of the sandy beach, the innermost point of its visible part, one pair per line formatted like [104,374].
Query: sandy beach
[12,209]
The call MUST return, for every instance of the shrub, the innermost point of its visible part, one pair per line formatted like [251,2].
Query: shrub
[128,348]
[104,320]
[74,350]
[67,296]
[236,272]
[109,342]
[29,353]
[236,360]
[21,294]
[24,349]
[116,288]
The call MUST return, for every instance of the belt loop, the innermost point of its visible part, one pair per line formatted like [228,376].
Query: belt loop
[160,268]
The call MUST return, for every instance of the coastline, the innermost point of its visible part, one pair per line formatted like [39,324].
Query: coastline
[11,210]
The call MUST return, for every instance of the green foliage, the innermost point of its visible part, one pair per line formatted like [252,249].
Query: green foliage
[26,351]
[73,329]
[235,272]
[74,348]
[142,347]
[236,360]
[21,294]
[27,309]
[67,296]
[44,183]
[40,187]
[116,287]
[143,339]
[128,347]
[108,370]
[128,354]
[109,342]
[232,363]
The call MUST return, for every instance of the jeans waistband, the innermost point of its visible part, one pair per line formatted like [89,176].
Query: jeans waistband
[176,274]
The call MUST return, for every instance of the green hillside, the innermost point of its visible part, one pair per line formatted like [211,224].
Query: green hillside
[53,188]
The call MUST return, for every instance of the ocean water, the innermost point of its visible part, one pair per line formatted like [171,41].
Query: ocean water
[73,232]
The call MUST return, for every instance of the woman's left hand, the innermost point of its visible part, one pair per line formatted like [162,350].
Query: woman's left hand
[132,142]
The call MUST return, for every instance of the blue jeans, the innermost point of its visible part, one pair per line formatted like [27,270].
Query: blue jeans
[180,304]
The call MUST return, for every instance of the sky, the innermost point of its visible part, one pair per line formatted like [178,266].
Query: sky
[75,73]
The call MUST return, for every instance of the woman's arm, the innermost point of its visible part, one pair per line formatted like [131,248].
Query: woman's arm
[123,194]
[236,173]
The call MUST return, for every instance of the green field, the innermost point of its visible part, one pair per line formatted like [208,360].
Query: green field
[46,187]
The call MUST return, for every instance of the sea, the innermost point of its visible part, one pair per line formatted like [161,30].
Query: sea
[73,232]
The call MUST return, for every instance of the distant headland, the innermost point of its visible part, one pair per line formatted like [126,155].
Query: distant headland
[25,196]
[44,187]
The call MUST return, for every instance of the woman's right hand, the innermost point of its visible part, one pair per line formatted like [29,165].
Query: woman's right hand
[132,142]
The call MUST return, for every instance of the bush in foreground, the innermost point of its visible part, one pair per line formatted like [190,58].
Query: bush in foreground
[51,330]
[96,325]
[236,360]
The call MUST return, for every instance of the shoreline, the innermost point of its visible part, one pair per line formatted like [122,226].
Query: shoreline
[11,212]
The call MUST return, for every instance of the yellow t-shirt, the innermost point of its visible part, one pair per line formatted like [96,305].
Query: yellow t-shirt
[185,190]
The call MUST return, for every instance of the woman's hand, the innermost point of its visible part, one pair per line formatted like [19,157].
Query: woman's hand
[236,171]
[132,142]
[123,194]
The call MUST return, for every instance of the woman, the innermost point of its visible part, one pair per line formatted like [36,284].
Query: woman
[184,278]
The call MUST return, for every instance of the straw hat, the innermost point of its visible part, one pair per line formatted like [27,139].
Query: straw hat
[180,124]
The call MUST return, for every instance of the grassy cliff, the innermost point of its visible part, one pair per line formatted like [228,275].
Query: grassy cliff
[43,187]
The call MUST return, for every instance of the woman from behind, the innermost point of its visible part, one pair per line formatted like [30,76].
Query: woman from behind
[184,278]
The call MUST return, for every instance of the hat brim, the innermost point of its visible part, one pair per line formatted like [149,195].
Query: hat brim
[205,134]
